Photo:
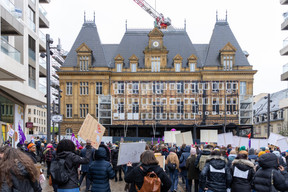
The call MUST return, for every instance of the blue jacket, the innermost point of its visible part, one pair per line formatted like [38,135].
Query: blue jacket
[100,170]
[85,167]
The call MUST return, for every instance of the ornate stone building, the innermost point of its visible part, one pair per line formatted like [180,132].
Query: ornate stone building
[155,80]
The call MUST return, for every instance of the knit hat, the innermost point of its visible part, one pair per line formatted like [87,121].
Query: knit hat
[251,151]
[242,148]
[193,151]
[49,145]
[243,152]
[30,145]
[261,153]
[263,148]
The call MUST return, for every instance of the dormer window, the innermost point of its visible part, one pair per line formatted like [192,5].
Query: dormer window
[192,67]
[84,63]
[155,64]
[178,67]
[133,67]
[227,63]
[119,67]
[228,57]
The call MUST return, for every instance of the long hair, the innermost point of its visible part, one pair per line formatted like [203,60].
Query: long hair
[148,158]
[12,160]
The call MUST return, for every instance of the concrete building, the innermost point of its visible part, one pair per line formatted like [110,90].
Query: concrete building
[278,114]
[155,80]
[20,69]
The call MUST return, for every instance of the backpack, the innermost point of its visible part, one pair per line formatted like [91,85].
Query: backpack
[202,161]
[171,166]
[151,183]
[59,171]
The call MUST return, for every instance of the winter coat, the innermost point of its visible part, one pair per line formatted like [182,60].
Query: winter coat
[184,156]
[32,155]
[23,184]
[72,161]
[136,175]
[216,175]
[114,158]
[193,171]
[262,180]
[165,152]
[90,149]
[243,173]
[48,154]
[231,158]
[100,170]
[204,152]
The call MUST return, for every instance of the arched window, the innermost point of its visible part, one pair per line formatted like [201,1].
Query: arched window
[69,131]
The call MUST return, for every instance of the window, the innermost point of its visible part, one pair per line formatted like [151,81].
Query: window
[242,88]
[120,87]
[69,131]
[192,67]
[133,67]
[121,107]
[83,110]
[158,87]
[69,88]
[155,64]
[227,63]
[84,63]
[119,67]
[231,104]
[215,105]
[135,107]
[177,67]
[98,88]
[68,110]
[135,87]
[32,48]
[83,88]
[180,107]
[97,111]
[215,86]
[180,87]
[34,111]
[29,111]
[195,107]
[32,77]
[31,19]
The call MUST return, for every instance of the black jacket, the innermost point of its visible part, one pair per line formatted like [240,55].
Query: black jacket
[72,162]
[32,155]
[216,175]
[88,149]
[243,173]
[23,184]
[262,180]
[135,176]
[204,152]
[114,157]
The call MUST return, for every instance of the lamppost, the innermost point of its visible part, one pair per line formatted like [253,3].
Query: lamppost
[59,112]
[268,114]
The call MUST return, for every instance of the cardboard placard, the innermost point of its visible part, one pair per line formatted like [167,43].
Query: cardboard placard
[185,137]
[92,130]
[209,136]
[130,152]
[161,159]
[169,136]
[224,139]
[257,143]
[283,144]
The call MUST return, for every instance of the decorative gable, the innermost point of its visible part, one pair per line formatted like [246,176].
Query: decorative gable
[192,57]
[155,33]
[119,59]
[177,58]
[133,59]
[228,48]
[83,48]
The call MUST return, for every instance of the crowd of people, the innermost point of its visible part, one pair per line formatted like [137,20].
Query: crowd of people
[202,168]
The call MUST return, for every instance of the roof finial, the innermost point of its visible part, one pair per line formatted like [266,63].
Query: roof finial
[126,24]
[226,16]
[84,17]
[94,16]
[185,24]
[216,15]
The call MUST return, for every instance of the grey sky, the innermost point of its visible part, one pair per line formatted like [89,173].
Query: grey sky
[256,25]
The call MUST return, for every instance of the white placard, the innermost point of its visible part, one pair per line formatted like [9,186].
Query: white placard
[209,136]
[273,138]
[130,152]
[11,133]
[224,139]
[236,141]
[283,144]
[182,138]
[244,141]
[179,139]
[169,136]
[257,143]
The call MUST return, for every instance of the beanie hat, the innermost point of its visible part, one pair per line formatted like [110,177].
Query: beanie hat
[242,148]
[30,145]
[261,153]
[251,151]
[263,148]
[49,145]
[193,151]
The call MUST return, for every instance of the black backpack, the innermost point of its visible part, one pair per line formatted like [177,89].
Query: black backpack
[171,166]
[59,171]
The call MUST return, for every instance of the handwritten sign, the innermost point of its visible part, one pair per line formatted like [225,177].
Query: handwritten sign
[209,136]
[169,136]
[185,137]
[130,152]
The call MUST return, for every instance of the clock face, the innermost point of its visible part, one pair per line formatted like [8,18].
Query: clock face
[155,44]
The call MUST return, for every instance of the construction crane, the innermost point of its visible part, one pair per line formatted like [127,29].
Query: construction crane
[160,21]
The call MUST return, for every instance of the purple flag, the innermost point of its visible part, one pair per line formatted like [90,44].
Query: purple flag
[163,138]
[22,137]
[75,141]
[158,139]
[152,141]
[249,143]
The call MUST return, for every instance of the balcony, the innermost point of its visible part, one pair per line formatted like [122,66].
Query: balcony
[10,19]
[10,51]
[31,25]
[42,42]
[284,76]
[42,62]
[284,25]
[32,54]
[44,1]
[284,2]
[284,50]
[43,21]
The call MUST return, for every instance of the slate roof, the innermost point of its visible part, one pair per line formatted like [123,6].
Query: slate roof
[221,35]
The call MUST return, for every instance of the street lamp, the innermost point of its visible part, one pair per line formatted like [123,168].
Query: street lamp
[268,114]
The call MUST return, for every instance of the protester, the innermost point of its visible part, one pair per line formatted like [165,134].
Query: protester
[201,159]
[172,163]
[31,152]
[48,153]
[231,157]
[17,172]
[164,150]
[100,170]
[215,176]
[114,159]
[251,155]
[149,163]
[66,151]
[268,178]
[182,165]
[193,171]
[242,172]
[281,160]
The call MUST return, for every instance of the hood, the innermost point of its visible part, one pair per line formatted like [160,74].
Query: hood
[251,151]
[149,168]
[102,153]
[240,162]
[64,154]
[268,160]
[218,162]
[206,152]
[231,157]
[165,150]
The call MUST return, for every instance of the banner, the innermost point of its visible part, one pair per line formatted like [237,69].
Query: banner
[209,136]
[75,141]
[130,152]
[19,124]
[22,137]
[92,130]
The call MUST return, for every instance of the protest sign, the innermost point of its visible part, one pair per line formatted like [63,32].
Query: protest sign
[224,139]
[182,138]
[130,152]
[169,136]
[257,143]
[244,141]
[161,159]
[236,141]
[273,138]
[92,130]
[209,136]
[11,133]
[283,144]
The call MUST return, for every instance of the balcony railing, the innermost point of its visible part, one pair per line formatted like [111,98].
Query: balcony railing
[42,36]
[9,6]
[31,25]
[32,83]
[42,10]
[285,42]
[285,68]
[285,16]
[32,54]
[10,51]
[42,62]
[42,88]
